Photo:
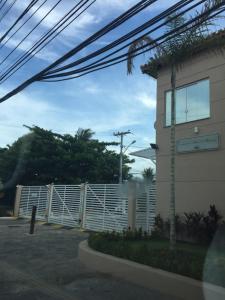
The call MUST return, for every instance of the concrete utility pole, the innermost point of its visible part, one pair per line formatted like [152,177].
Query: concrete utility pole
[121,135]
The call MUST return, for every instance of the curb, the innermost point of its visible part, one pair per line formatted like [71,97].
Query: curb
[9,218]
[148,277]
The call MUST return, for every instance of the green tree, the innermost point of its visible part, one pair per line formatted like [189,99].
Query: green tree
[42,157]
[148,173]
[173,52]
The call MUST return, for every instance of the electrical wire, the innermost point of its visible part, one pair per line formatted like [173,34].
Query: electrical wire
[123,57]
[28,8]
[130,35]
[42,19]
[179,5]
[44,40]
[133,33]
[112,25]
[24,23]
[8,10]
[118,21]
[4,3]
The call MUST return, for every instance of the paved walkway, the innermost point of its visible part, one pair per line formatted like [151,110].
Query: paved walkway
[45,267]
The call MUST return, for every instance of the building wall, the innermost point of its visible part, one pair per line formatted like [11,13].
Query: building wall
[200,176]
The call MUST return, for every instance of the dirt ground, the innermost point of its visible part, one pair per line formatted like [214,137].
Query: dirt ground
[45,266]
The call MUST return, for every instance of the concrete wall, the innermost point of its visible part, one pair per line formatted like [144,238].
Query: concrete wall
[200,176]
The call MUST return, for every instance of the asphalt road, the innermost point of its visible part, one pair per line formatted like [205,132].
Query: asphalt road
[45,267]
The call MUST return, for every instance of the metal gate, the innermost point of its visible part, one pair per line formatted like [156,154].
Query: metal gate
[34,195]
[105,207]
[65,205]
[96,207]
[146,208]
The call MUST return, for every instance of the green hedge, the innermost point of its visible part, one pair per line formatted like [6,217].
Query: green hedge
[188,260]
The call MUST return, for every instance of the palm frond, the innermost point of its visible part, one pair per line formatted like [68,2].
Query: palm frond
[182,45]
[133,48]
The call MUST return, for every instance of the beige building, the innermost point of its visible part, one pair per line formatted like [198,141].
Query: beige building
[200,134]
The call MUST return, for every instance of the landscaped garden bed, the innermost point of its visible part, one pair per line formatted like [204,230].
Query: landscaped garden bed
[201,262]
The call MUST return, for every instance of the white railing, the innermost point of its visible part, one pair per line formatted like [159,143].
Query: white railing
[106,207]
[34,195]
[96,207]
[65,205]
[146,208]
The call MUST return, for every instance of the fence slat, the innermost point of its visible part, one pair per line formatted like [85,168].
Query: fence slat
[96,207]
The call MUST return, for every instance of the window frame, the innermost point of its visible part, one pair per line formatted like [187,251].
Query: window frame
[184,86]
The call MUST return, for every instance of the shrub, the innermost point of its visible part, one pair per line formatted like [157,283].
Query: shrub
[212,222]
[194,225]
[158,230]
[178,225]
[182,261]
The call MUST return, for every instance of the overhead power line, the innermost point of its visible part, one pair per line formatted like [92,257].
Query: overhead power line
[3,4]
[48,73]
[29,33]
[130,35]
[122,58]
[112,25]
[118,21]
[126,37]
[7,10]
[42,42]
[28,8]
[24,23]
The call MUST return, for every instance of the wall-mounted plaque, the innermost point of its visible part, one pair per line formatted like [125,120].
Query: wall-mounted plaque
[200,143]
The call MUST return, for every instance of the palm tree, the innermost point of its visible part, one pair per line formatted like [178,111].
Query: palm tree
[148,174]
[174,51]
[84,134]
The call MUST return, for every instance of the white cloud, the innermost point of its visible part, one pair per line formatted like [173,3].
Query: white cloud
[147,100]
[102,105]
[93,89]
[116,4]
[123,5]
[78,30]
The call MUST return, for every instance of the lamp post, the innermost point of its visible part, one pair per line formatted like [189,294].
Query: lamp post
[121,135]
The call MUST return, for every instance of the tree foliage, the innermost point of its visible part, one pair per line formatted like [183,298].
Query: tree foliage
[148,173]
[182,45]
[43,157]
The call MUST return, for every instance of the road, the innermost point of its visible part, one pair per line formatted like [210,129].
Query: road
[45,267]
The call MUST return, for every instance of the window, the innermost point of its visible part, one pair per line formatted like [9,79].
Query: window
[192,103]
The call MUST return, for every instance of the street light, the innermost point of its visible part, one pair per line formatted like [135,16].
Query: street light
[121,161]
[133,142]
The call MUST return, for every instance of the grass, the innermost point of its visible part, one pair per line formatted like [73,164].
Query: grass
[195,261]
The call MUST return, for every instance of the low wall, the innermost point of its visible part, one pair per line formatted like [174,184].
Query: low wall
[167,283]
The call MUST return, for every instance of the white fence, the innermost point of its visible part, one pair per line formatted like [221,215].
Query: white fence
[146,207]
[96,207]
[34,195]
[106,207]
[65,204]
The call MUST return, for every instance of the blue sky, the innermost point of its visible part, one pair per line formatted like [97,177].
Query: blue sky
[106,101]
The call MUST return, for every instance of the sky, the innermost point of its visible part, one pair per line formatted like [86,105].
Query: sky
[106,101]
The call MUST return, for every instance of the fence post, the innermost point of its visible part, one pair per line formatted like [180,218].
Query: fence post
[132,193]
[147,184]
[17,200]
[84,200]
[33,219]
[81,208]
[50,192]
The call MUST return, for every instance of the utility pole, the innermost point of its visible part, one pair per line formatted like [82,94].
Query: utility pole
[121,135]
